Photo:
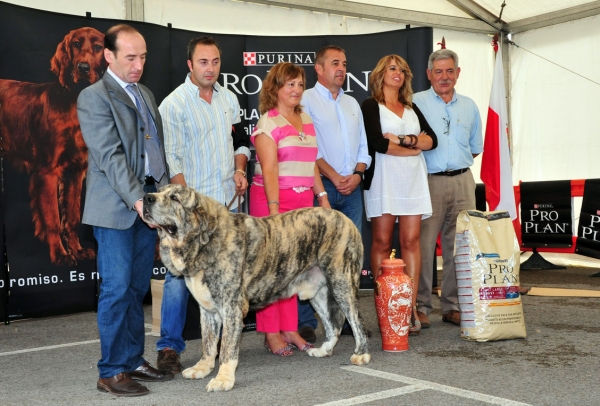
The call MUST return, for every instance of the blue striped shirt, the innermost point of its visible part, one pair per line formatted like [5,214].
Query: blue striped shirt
[457,125]
[198,141]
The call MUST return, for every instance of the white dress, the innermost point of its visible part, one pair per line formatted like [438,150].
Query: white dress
[399,185]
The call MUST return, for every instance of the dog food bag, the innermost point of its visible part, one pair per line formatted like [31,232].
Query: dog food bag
[486,259]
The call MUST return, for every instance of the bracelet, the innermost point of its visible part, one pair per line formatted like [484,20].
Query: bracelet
[361,174]
[415,139]
[273,201]
[239,170]
[401,139]
[321,194]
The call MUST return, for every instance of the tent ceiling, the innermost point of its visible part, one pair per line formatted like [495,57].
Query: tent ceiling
[465,15]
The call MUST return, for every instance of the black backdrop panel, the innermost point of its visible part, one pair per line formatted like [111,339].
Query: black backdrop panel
[157,69]
[3,264]
[480,202]
[37,287]
[268,50]
[546,214]
[588,234]
[30,39]
[364,51]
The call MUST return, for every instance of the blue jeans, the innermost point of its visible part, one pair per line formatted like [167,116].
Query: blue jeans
[173,314]
[125,259]
[352,207]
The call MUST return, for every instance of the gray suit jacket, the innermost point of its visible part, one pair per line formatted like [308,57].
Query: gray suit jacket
[113,132]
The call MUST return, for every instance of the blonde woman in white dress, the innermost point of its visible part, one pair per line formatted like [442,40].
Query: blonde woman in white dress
[395,185]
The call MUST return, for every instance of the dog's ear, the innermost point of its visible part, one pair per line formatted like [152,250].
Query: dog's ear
[177,261]
[61,63]
[170,255]
[206,215]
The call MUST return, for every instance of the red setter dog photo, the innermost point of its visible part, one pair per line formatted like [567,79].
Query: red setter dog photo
[41,135]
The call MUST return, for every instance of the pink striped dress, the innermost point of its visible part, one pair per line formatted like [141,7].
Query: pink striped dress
[296,154]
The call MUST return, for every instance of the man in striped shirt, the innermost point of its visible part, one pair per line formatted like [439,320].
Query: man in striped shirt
[207,150]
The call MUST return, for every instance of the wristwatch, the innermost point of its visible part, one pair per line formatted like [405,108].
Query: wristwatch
[361,174]
[401,138]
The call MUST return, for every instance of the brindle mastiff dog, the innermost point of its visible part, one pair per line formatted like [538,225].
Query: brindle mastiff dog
[233,262]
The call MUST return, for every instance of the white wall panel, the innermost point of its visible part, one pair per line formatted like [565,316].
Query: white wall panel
[236,17]
[442,7]
[98,8]
[554,111]
[518,10]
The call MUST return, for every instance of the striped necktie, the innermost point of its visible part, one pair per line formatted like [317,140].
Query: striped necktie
[151,141]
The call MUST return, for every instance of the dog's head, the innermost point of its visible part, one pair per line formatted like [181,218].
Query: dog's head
[79,58]
[184,219]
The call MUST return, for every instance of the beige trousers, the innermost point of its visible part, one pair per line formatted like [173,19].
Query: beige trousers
[449,196]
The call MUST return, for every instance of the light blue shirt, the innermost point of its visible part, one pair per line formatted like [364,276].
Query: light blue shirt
[198,141]
[457,125]
[341,136]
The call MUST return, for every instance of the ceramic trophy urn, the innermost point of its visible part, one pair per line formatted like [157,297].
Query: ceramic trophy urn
[393,301]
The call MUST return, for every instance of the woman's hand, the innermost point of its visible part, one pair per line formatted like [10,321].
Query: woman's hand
[392,137]
[424,141]
[324,202]
[273,209]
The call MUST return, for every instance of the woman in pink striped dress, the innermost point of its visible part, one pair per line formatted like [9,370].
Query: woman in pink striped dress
[285,178]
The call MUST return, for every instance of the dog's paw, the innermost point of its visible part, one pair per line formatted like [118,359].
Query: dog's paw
[220,383]
[61,259]
[319,352]
[198,371]
[85,253]
[362,359]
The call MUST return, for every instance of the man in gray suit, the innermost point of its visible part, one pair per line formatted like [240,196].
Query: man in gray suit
[122,129]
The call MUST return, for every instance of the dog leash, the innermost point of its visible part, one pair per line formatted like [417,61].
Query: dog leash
[239,198]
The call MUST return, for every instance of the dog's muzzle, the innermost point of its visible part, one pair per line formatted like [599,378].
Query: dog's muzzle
[148,201]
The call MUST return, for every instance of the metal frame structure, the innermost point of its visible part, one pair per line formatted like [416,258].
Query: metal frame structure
[482,21]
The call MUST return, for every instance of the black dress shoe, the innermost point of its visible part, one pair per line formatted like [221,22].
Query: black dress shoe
[308,334]
[347,331]
[148,373]
[121,385]
[168,361]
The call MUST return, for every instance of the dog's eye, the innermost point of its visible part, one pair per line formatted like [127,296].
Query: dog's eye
[174,198]
[171,229]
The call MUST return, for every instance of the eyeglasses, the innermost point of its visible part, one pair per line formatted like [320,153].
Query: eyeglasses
[447,121]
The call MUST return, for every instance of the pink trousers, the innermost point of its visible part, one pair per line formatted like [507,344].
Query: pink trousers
[283,314]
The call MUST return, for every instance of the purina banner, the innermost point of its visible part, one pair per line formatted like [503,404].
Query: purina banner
[48,59]
[546,214]
[588,233]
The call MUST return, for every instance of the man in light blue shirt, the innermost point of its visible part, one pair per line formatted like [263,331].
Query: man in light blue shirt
[200,119]
[456,121]
[343,153]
